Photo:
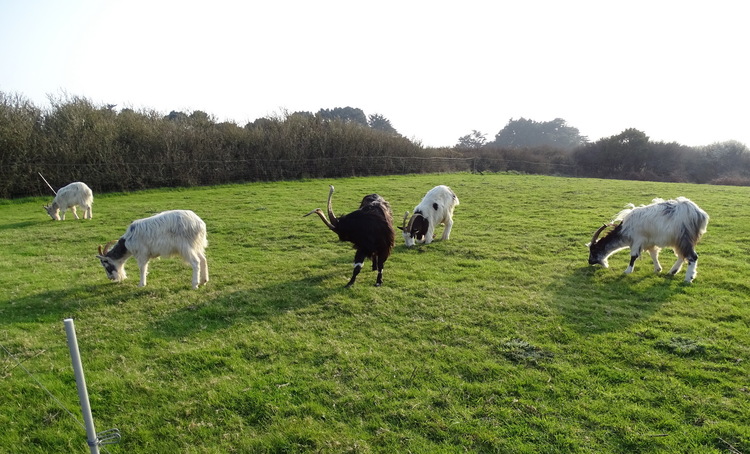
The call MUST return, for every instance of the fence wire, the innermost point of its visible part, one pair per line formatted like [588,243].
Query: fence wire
[18,363]
[129,175]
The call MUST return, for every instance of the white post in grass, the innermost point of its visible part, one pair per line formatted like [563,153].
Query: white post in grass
[83,395]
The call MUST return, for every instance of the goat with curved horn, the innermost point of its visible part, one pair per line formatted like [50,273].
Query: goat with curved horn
[677,224]
[322,215]
[174,232]
[369,228]
[334,221]
[435,208]
[106,247]
[598,232]
[71,196]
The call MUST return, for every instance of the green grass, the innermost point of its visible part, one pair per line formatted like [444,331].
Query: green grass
[502,339]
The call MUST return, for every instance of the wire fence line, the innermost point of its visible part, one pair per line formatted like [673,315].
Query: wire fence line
[18,363]
[404,159]
[278,161]
[129,175]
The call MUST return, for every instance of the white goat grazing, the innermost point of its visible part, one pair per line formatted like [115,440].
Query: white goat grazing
[68,197]
[435,208]
[176,232]
[677,224]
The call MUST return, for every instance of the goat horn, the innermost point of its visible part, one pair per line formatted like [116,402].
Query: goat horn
[319,212]
[106,248]
[334,221]
[411,222]
[596,234]
[406,216]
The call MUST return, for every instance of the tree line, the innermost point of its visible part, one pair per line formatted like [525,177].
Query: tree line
[554,147]
[75,139]
[110,150]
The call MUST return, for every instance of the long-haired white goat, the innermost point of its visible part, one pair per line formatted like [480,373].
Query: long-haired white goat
[176,232]
[677,224]
[435,208]
[70,196]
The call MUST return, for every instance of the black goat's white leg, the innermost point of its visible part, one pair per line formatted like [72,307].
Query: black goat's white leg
[359,261]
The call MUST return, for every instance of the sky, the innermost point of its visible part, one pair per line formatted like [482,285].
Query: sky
[677,70]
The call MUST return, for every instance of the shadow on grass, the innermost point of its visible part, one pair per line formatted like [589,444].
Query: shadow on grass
[242,306]
[55,305]
[19,225]
[198,312]
[595,300]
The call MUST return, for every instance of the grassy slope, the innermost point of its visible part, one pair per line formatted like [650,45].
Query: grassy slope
[502,339]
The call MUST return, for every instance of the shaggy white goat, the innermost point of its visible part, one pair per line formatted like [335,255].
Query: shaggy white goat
[677,224]
[176,232]
[435,208]
[70,196]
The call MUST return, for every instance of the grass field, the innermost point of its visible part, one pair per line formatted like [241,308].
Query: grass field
[502,339]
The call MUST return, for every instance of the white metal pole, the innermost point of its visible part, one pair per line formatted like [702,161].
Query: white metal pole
[83,395]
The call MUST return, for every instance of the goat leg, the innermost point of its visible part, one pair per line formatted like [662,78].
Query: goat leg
[359,261]
[381,264]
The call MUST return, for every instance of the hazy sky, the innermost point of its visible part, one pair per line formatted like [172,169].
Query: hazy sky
[677,70]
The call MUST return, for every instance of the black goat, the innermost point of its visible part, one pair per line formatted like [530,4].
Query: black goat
[370,229]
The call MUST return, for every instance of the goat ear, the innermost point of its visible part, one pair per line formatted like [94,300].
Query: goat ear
[400,228]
